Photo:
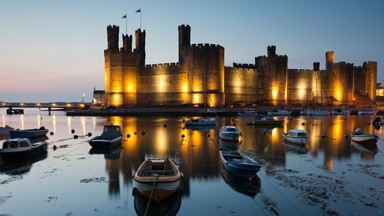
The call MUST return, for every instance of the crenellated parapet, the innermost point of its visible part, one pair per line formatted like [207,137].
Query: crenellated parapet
[252,66]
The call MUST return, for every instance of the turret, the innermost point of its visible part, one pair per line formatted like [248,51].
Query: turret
[271,51]
[316,66]
[127,43]
[329,60]
[140,44]
[184,39]
[113,37]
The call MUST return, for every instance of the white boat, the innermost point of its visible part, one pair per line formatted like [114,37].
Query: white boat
[247,112]
[366,140]
[20,148]
[279,112]
[200,122]
[157,179]
[367,112]
[296,136]
[230,133]
[340,112]
[318,112]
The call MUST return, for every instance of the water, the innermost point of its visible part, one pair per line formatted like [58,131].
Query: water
[328,176]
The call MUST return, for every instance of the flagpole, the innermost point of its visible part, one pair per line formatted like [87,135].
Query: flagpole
[126,25]
[140,18]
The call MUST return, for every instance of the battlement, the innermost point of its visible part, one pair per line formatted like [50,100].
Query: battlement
[244,65]
[164,65]
[206,45]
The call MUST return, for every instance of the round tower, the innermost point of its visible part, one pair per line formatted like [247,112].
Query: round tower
[329,60]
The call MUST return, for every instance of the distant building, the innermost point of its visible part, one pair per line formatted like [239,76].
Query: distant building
[200,78]
[98,97]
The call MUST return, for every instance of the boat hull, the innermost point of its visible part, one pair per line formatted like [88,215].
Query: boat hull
[365,140]
[205,122]
[157,190]
[229,136]
[14,156]
[98,142]
[31,133]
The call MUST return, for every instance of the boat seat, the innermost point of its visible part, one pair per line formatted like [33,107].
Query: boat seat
[150,172]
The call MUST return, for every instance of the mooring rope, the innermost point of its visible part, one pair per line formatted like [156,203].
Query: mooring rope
[150,197]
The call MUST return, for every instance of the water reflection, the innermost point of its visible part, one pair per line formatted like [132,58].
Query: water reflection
[69,122]
[22,121]
[249,187]
[195,149]
[145,206]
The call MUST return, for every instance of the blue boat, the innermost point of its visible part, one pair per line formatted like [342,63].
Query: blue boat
[28,133]
[237,164]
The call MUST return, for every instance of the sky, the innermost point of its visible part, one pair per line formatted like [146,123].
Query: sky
[53,51]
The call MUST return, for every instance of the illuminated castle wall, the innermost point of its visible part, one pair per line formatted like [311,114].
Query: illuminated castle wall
[200,77]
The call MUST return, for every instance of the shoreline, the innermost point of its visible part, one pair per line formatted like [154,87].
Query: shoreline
[181,111]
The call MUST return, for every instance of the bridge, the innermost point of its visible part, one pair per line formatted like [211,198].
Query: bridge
[50,106]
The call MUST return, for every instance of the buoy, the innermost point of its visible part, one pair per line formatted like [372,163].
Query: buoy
[75,136]
[51,133]
[135,132]
[302,123]
[165,125]
[182,135]
[301,143]
[54,147]
[346,136]
[143,133]
[73,131]
[89,134]
[209,135]
[322,135]
[128,135]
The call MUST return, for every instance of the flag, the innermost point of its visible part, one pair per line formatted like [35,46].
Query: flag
[138,11]
[124,17]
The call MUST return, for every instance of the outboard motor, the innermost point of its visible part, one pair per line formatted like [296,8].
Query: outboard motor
[376,121]
[358,131]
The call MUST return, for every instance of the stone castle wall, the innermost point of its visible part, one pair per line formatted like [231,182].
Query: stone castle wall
[201,78]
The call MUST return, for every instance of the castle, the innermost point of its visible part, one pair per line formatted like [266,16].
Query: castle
[200,78]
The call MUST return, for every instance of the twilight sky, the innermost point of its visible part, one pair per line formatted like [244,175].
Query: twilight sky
[52,51]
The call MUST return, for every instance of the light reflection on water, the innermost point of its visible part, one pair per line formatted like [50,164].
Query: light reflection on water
[205,184]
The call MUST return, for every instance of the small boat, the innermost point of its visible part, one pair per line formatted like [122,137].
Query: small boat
[279,112]
[111,136]
[238,164]
[367,112]
[28,133]
[230,133]
[266,121]
[318,112]
[157,178]
[340,112]
[200,122]
[19,148]
[247,112]
[366,140]
[296,136]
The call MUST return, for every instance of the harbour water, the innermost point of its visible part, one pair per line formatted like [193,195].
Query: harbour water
[328,176]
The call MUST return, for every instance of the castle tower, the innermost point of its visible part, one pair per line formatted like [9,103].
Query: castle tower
[113,37]
[184,40]
[140,44]
[271,51]
[316,66]
[127,43]
[371,79]
[329,60]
